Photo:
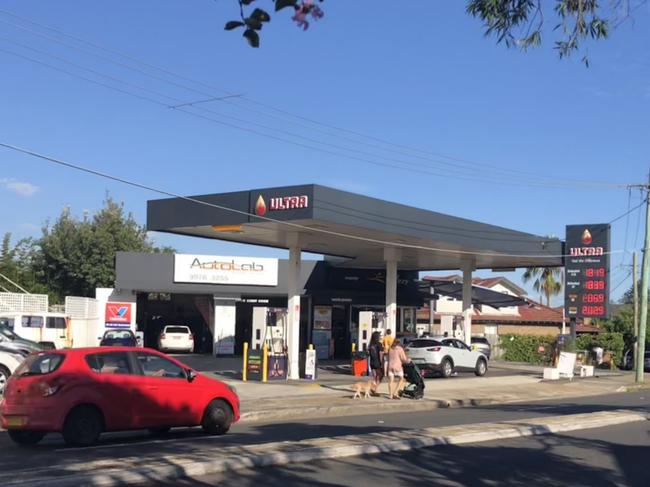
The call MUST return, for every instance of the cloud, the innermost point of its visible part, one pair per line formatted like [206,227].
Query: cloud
[19,187]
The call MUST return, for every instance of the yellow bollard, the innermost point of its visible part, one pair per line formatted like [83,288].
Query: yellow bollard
[245,369]
[354,347]
[265,362]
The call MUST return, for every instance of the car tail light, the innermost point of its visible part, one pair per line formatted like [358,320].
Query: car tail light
[162,337]
[191,337]
[48,390]
[433,349]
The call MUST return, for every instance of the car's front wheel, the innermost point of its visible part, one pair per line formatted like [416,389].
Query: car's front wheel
[481,367]
[217,418]
[26,437]
[447,368]
[82,427]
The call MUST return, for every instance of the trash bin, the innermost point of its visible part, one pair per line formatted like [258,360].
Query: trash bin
[359,364]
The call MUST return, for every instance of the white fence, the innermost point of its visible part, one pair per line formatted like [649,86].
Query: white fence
[24,303]
[84,320]
[81,308]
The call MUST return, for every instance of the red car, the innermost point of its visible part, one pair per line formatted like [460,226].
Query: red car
[83,392]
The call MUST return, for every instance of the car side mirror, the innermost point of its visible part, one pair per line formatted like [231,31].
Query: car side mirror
[191,375]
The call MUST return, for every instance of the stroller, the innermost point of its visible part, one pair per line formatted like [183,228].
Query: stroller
[415,384]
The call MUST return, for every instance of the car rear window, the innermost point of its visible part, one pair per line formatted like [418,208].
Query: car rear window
[480,340]
[118,335]
[41,364]
[424,343]
[176,329]
[55,322]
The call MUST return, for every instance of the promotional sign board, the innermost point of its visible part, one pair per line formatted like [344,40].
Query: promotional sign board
[310,365]
[586,264]
[254,365]
[321,339]
[118,315]
[212,269]
[322,317]
[277,367]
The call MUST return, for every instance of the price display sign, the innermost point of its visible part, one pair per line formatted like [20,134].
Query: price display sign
[586,290]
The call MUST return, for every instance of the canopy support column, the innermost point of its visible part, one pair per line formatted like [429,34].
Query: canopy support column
[293,315]
[391,256]
[468,267]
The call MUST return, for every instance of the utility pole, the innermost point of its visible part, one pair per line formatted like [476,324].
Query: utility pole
[645,270]
[635,294]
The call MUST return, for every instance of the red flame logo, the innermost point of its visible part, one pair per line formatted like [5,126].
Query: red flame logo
[586,237]
[260,206]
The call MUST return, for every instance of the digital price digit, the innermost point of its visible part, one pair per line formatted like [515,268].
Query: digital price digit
[595,285]
[593,310]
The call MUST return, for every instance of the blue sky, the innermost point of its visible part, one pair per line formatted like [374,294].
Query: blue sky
[422,76]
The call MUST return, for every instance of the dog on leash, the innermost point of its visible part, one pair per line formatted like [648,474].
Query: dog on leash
[362,387]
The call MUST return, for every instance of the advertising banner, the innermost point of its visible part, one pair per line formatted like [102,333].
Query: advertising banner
[277,367]
[211,269]
[254,365]
[587,280]
[310,365]
[322,317]
[321,339]
[118,315]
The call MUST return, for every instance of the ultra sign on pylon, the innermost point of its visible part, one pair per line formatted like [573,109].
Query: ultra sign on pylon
[587,281]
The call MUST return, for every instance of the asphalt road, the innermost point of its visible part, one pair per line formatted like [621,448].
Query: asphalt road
[614,456]
[52,451]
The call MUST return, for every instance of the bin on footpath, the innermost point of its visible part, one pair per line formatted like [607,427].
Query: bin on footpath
[359,364]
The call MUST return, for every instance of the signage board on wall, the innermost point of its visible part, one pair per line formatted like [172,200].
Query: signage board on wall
[212,269]
[118,315]
[322,317]
[587,280]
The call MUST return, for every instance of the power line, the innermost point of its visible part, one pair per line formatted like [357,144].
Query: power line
[265,218]
[554,181]
[248,129]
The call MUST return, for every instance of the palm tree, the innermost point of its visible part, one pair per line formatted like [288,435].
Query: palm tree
[546,280]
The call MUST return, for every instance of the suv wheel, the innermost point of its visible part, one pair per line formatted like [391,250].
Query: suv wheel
[217,418]
[481,367]
[447,368]
[82,427]
[26,437]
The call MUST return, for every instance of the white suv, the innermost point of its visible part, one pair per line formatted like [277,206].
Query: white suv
[446,355]
[177,338]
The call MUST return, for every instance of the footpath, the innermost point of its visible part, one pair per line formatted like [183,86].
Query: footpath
[331,393]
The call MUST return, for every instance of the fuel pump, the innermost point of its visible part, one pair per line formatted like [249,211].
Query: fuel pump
[269,326]
[369,322]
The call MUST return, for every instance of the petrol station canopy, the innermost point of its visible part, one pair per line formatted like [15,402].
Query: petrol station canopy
[351,230]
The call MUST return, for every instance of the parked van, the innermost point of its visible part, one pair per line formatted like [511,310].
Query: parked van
[51,329]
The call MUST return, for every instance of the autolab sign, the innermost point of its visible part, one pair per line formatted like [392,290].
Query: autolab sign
[118,315]
[211,269]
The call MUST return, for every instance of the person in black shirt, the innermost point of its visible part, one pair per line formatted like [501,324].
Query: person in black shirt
[376,352]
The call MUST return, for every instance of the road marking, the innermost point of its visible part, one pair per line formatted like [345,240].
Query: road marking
[167,467]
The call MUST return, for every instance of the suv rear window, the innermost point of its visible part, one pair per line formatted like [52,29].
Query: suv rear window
[480,340]
[424,343]
[176,329]
[41,364]
[55,322]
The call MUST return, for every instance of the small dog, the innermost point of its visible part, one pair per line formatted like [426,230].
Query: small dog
[359,387]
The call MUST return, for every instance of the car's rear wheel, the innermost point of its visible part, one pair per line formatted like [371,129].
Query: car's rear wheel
[447,368]
[481,367]
[4,377]
[163,430]
[83,426]
[26,437]
[217,418]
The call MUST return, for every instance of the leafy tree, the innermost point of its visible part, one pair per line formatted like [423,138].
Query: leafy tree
[546,280]
[77,256]
[16,263]
[515,23]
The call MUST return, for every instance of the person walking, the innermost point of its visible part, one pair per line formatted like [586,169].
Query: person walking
[396,358]
[376,355]
[387,342]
